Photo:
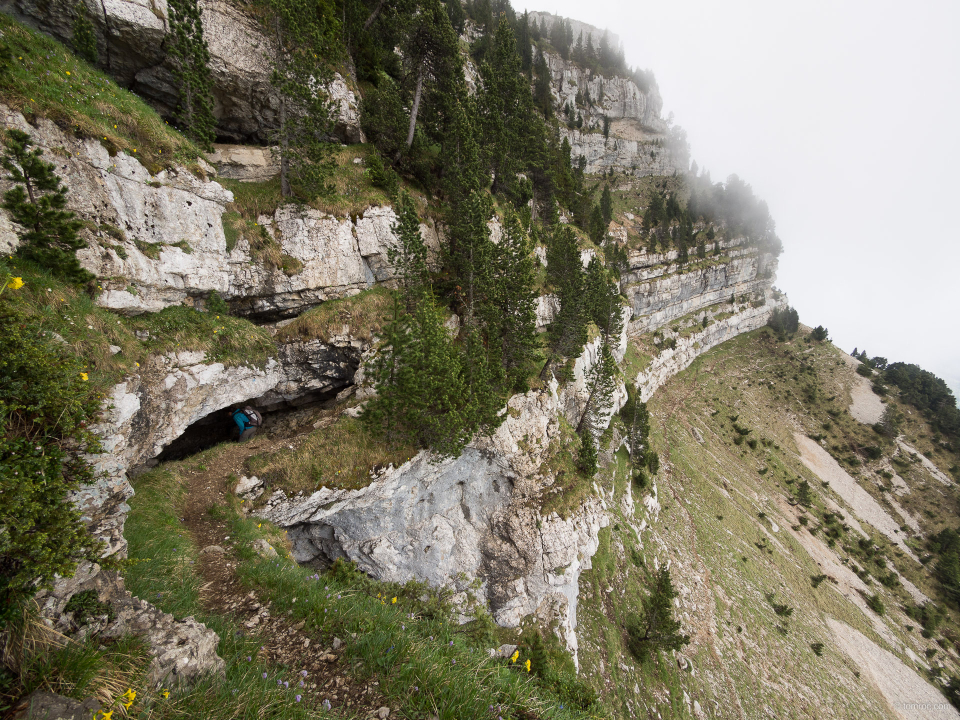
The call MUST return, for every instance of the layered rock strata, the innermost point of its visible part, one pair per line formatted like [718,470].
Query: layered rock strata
[132,44]
[159,240]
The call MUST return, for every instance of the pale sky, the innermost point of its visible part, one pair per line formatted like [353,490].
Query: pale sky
[844,116]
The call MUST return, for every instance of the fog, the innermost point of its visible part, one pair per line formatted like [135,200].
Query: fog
[843,116]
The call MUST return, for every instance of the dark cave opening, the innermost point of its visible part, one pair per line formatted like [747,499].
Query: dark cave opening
[219,427]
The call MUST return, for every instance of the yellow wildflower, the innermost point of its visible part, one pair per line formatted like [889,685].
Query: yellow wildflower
[527,665]
[83,376]
[106,715]
[68,72]
[394,601]
[516,654]
[130,695]
[15,283]
[165,694]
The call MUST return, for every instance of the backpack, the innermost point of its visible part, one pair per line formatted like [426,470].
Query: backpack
[256,419]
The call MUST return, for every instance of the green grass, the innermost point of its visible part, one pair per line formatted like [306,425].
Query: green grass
[90,330]
[340,455]
[363,316]
[46,80]
[161,570]
[422,661]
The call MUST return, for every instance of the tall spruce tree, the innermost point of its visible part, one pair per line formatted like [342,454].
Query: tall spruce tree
[84,35]
[601,386]
[568,331]
[304,34]
[37,203]
[512,317]
[190,57]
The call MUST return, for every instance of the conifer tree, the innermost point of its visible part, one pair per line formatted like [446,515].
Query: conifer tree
[512,317]
[601,385]
[420,383]
[37,203]
[84,36]
[432,51]
[190,57]
[606,205]
[473,255]
[587,459]
[409,256]
[657,630]
[568,331]
[304,34]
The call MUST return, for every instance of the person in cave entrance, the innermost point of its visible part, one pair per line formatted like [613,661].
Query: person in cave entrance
[247,421]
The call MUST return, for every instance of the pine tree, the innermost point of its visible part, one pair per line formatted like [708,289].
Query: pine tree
[432,51]
[568,331]
[84,36]
[587,459]
[190,57]
[606,205]
[511,314]
[37,203]
[409,256]
[601,385]
[304,33]
[420,383]
[472,253]
[657,630]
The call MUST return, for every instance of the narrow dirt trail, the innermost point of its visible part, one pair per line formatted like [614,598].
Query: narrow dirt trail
[313,661]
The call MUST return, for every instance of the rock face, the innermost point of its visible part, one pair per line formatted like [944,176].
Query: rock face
[638,141]
[161,239]
[671,361]
[470,518]
[132,37]
[183,650]
[660,291]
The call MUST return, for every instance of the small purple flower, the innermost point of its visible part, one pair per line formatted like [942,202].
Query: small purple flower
[300,684]
[451,643]
[298,698]
[264,676]
[279,683]
[454,662]
[249,659]
[303,673]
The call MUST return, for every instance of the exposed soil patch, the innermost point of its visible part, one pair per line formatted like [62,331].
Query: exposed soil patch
[910,697]
[859,500]
[865,404]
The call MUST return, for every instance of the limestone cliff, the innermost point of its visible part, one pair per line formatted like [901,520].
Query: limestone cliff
[131,37]
[159,240]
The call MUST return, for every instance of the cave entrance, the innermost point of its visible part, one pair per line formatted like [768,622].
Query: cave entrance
[281,417]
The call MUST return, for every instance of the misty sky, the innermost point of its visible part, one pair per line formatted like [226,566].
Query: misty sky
[844,116]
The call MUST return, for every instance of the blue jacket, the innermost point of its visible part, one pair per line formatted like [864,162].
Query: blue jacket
[241,419]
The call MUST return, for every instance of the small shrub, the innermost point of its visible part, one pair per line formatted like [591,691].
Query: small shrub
[216,304]
[817,648]
[86,606]
[876,604]
[864,370]
[815,580]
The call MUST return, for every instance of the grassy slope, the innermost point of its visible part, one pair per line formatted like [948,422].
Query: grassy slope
[45,79]
[728,563]
[424,663]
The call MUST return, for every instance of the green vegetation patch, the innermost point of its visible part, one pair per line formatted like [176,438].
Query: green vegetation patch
[361,316]
[398,635]
[340,455]
[44,79]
